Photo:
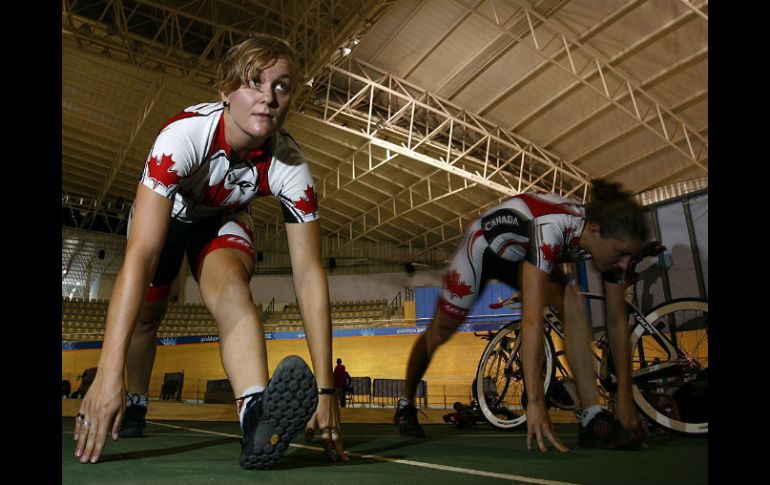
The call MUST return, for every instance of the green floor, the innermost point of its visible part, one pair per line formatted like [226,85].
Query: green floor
[179,452]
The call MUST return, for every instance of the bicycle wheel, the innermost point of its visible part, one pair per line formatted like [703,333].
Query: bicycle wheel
[499,386]
[671,387]
[562,392]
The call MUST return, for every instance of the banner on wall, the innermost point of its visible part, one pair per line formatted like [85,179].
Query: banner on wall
[299,335]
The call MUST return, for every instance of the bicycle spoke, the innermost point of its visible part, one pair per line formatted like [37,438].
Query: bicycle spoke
[500,380]
[671,386]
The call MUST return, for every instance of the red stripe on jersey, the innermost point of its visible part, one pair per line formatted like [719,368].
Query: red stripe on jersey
[216,195]
[180,116]
[263,163]
[225,241]
[508,244]
[541,207]
[246,229]
[218,141]
[474,237]
[157,293]
[452,311]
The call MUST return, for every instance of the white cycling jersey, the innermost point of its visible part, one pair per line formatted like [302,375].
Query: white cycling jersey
[191,162]
[543,229]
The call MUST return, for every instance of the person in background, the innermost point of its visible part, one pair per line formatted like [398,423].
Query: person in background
[339,381]
[523,242]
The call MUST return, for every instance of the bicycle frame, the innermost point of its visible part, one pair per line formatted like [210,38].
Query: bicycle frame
[671,371]
[554,324]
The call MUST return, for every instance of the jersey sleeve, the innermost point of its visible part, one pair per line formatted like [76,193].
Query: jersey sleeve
[171,158]
[292,183]
[546,244]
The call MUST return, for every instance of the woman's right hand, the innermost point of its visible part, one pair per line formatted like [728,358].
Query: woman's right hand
[101,410]
[540,426]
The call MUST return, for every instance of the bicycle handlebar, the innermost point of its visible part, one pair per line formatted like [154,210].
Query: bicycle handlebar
[652,248]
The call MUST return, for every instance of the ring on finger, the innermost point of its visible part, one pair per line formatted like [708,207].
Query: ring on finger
[86,423]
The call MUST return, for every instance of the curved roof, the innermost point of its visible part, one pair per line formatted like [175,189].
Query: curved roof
[415,114]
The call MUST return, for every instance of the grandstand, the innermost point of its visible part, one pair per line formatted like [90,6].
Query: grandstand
[84,320]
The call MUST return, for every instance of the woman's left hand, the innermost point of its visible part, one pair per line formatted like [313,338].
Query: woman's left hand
[626,413]
[327,419]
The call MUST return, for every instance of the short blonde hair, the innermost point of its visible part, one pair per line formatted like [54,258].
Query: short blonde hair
[243,61]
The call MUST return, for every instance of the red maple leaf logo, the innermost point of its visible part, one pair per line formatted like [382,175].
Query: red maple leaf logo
[456,287]
[309,203]
[550,253]
[161,173]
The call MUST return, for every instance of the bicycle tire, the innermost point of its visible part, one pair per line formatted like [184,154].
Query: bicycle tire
[562,391]
[499,384]
[670,391]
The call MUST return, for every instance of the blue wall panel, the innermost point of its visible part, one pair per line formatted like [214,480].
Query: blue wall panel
[427,298]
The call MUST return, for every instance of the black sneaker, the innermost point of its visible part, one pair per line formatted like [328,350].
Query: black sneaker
[274,416]
[629,438]
[134,421]
[406,420]
[601,431]
[604,431]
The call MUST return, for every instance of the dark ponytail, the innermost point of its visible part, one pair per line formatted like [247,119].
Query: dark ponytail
[616,212]
[605,190]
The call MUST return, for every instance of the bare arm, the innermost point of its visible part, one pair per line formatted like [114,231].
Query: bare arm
[104,402]
[618,333]
[312,289]
[534,299]
[533,304]
[149,225]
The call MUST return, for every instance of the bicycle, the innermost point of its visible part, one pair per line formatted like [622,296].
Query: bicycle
[669,350]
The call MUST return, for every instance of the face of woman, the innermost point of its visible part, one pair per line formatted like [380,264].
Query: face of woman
[611,253]
[258,108]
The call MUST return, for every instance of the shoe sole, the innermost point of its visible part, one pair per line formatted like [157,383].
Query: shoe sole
[408,434]
[288,404]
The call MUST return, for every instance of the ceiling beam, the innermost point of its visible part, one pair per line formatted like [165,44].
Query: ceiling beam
[603,24]
[380,107]
[489,58]
[698,9]
[614,61]
[153,95]
[580,158]
[656,79]
[600,71]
